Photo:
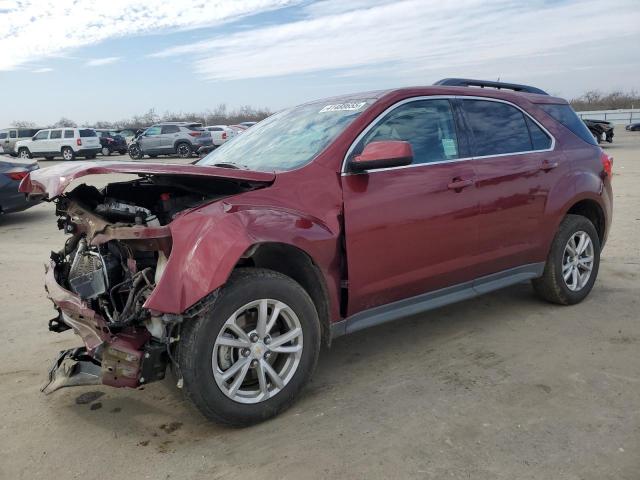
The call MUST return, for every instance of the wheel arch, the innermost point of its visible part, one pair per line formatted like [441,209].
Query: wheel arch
[591,210]
[297,264]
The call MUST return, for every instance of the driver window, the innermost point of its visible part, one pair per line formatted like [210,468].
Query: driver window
[153,131]
[428,125]
[43,135]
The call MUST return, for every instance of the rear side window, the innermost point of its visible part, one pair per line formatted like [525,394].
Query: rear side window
[87,132]
[567,117]
[56,134]
[498,128]
[540,140]
[428,125]
[195,128]
[25,133]
[214,129]
[170,129]
[68,134]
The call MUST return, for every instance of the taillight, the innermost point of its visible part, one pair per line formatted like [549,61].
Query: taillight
[79,141]
[17,176]
[607,163]
[224,135]
[195,134]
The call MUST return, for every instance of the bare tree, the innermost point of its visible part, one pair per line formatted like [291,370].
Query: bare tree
[64,122]
[23,124]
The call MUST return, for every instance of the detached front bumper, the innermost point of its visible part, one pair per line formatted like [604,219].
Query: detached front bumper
[118,360]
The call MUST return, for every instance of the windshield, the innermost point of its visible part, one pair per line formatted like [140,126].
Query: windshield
[288,139]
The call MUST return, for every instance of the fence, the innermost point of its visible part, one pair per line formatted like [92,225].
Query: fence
[615,116]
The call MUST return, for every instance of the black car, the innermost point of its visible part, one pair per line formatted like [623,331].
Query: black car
[633,127]
[111,141]
[11,174]
[600,129]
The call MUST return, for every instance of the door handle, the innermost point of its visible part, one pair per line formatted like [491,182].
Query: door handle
[458,184]
[548,165]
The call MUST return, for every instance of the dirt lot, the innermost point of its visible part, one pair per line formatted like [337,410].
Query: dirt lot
[500,387]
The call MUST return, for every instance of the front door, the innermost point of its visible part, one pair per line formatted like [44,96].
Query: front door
[410,230]
[515,166]
[150,139]
[40,144]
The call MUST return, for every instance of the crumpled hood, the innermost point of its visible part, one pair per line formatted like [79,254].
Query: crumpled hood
[51,182]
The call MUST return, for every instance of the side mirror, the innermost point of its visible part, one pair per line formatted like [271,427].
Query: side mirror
[383,154]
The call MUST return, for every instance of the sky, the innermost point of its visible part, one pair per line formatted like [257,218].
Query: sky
[92,60]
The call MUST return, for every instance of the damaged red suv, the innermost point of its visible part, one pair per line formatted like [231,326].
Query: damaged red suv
[324,219]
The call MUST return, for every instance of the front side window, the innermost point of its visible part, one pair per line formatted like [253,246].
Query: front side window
[428,125]
[42,135]
[68,134]
[152,131]
[291,138]
[12,134]
[56,134]
[497,128]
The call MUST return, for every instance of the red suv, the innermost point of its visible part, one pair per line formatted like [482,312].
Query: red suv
[324,219]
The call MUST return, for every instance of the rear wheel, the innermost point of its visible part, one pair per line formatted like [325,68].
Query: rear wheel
[24,153]
[246,358]
[573,262]
[68,154]
[105,151]
[183,150]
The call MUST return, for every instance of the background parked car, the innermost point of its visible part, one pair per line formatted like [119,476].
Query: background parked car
[238,129]
[11,174]
[220,133]
[111,141]
[9,137]
[129,134]
[633,127]
[600,129]
[171,138]
[67,143]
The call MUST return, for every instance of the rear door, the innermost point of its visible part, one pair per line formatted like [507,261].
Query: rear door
[55,141]
[515,164]
[408,229]
[168,136]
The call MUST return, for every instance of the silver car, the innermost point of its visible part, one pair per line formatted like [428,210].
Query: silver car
[171,138]
[9,137]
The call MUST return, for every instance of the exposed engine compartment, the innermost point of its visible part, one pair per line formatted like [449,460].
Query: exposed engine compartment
[117,251]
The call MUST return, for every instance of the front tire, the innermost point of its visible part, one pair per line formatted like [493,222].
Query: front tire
[246,358]
[573,263]
[24,153]
[105,151]
[135,152]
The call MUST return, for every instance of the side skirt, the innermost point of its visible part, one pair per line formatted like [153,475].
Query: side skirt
[436,299]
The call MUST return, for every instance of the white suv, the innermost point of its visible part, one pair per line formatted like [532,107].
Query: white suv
[67,143]
[220,133]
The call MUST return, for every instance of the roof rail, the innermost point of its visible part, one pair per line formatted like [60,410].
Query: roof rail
[467,82]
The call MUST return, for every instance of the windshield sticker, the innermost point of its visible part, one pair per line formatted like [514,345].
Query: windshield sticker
[343,107]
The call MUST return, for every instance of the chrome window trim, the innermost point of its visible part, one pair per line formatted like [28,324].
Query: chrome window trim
[344,172]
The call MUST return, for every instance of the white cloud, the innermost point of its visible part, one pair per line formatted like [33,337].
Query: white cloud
[42,70]
[35,29]
[98,62]
[411,36]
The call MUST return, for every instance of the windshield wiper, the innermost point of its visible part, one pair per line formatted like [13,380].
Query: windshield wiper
[226,165]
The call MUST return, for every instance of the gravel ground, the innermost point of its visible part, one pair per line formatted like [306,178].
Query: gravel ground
[499,387]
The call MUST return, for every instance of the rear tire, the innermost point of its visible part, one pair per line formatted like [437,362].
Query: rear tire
[105,151]
[68,154]
[559,284]
[204,355]
[184,150]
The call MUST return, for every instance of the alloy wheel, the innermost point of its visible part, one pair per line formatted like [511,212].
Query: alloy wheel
[577,261]
[257,351]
